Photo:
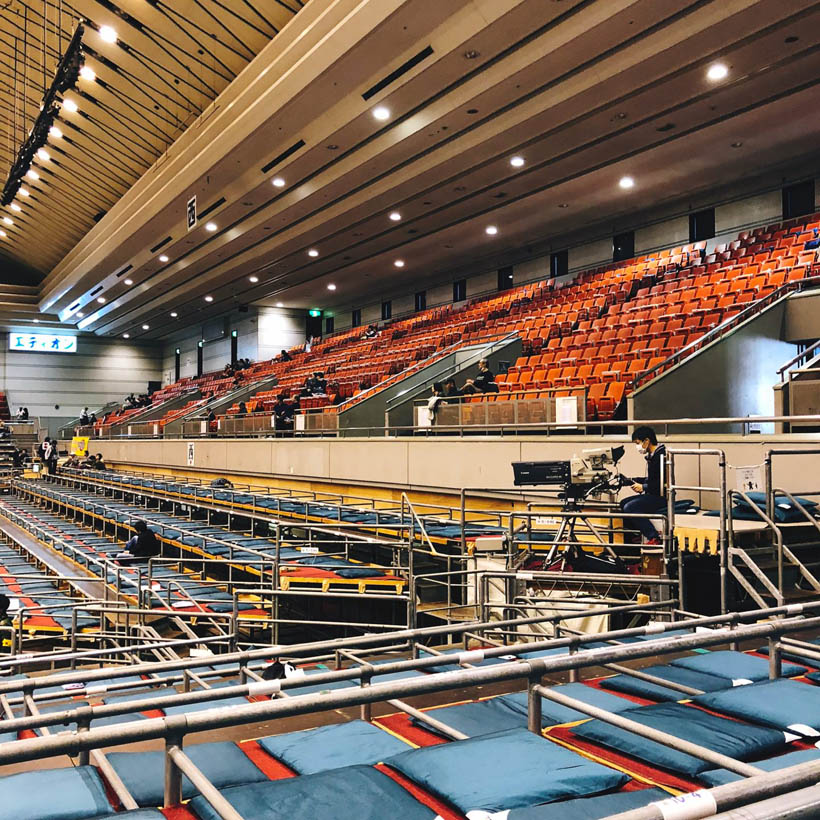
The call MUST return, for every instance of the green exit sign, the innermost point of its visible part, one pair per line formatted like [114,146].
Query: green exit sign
[314,312]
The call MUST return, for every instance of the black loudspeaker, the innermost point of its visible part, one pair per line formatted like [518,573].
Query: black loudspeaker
[243,308]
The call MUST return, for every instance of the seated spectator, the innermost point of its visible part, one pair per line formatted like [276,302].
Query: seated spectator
[5,603]
[283,412]
[19,415]
[484,382]
[19,458]
[5,432]
[84,417]
[436,399]
[242,410]
[222,482]
[100,462]
[89,463]
[285,356]
[143,545]
[25,414]
[72,462]
[371,333]
[450,391]
[93,418]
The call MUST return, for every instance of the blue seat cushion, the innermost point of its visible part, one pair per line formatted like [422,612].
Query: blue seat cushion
[655,691]
[223,763]
[53,794]
[333,747]
[554,713]
[782,704]
[359,792]
[727,663]
[590,808]
[505,770]
[723,735]
[718,777]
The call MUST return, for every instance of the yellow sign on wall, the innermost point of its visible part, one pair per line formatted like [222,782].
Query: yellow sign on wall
[79,446]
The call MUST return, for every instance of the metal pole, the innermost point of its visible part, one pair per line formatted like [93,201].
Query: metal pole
[183,763]
[731,795]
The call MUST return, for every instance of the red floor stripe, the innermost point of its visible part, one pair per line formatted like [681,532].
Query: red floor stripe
[401,725]
[266,763]
[444,810]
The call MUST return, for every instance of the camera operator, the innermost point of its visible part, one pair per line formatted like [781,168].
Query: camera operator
[651,496]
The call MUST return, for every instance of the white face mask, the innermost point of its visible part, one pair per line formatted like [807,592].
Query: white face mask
[641,449]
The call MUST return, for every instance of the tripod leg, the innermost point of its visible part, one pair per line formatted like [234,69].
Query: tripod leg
[559,537]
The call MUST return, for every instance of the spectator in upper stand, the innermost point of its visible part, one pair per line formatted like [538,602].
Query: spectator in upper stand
[90,463]
[371,333]
[308,344]
[25,414]
[101,462]
[93,418]
[283,412]
[144,544]
[334,393]
[436,399]
[19,416]
[129,402]
[242,410]
[450,391]
[19,458]
[84,417]
[651,496]
[285,356]
[319,383]
[211,416]
[484,382]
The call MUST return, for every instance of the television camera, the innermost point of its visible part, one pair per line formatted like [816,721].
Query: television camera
[591,473]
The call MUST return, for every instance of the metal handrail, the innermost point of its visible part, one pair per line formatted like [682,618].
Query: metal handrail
[755,307]
[781,371]
[617,425]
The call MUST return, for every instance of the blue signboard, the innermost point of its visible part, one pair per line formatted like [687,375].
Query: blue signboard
[43,342]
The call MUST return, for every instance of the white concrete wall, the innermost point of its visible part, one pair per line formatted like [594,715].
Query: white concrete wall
[56,386]
[451,464]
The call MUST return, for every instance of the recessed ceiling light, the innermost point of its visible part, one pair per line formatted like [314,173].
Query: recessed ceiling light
[380,112]
[8,221]
[313,252]
[43,155]
[253,279]
[210,226]
[55,132]
[399,263]
[563,205]
[24,192]
[101,299]
[717,71]
[279,304]
[278,182]
[126,335]
[16,207]
[163,258]
[517,162]
[87,73]
[108,34]
[331,286]
[395,216]
[737,144]
[209,298]
[491,230]
[626,183]
[70,106]
[471,54]
[3,234]
[129,282]
[36,321]
[174,314]
[32,174]
[146,327]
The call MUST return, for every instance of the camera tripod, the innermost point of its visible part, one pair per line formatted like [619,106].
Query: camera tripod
[573,512]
